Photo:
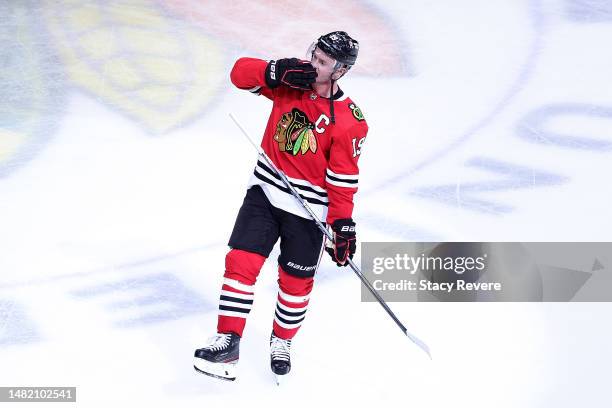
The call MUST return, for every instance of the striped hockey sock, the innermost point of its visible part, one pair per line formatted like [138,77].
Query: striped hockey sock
[291,304]
[238,290]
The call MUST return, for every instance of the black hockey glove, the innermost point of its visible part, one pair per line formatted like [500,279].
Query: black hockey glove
[345,238]
[292,72]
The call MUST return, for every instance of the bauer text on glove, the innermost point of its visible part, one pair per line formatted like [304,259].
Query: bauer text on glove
[292,72]
[344,244]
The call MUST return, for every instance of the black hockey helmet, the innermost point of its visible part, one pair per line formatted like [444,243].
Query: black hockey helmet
[340,46]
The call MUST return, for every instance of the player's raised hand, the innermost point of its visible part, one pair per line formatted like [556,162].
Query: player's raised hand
[291,72]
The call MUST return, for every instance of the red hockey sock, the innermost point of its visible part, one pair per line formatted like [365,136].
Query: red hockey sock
[237,292]
[291,304]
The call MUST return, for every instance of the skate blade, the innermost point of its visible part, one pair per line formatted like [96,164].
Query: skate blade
[222,371]
[279,378]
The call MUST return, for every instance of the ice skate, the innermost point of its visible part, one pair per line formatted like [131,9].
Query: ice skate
[280,360]
[219,357]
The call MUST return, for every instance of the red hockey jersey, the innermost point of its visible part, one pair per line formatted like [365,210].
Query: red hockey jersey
[318,157]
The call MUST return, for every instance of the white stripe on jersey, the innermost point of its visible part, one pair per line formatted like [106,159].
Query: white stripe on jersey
[306,183]
[352,177]
[298,182]
[286,201]
[340,184]
[302,192]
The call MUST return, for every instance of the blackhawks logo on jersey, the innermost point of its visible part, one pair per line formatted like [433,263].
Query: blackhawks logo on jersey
[356,112]
[294,133]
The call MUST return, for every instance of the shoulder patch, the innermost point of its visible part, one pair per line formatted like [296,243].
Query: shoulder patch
[356,112]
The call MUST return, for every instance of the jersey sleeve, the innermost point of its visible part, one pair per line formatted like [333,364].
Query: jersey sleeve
[342,174]
[249,74]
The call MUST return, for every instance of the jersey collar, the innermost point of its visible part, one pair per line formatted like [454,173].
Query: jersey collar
[337,96]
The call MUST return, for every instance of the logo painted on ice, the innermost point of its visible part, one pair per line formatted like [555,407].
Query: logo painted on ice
[491,104]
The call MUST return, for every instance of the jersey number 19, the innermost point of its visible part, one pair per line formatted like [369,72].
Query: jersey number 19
[357,146]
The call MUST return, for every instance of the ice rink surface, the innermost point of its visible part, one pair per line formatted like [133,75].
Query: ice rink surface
[121,175]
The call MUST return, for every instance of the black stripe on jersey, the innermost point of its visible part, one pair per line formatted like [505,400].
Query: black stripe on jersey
[293,314]
[286,190]
[237,300]
[297,186]
[288,321]
[339,180]
[234,309]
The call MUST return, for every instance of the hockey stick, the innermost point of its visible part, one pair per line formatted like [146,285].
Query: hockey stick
[329,236]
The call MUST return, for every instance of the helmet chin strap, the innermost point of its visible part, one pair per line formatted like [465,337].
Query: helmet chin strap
[331,102]
[337,66]
[331,93]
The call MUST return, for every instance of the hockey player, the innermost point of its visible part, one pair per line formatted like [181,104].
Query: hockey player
[314,135]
